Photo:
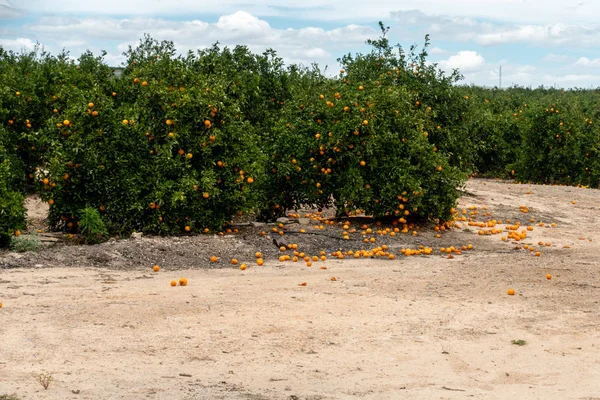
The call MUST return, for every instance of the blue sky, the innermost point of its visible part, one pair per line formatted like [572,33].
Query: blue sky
[537,42]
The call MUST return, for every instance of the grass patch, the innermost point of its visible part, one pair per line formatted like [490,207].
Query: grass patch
[25,243]
[8,397]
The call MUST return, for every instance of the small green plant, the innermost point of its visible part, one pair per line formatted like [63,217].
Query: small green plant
[12,210]
[519,342]
[45,379]
[8,397]
[91,225]
[25,243]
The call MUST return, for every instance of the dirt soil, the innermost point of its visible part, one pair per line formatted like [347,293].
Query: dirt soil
[422,327]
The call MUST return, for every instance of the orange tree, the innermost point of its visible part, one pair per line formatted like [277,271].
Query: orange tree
[537,135]
[495,135]
[560,145]
[432,91]
[12,211]
[30,81]
[359,142]
[162,149]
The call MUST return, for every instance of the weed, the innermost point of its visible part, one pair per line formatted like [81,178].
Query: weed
[45,379]
[25,243]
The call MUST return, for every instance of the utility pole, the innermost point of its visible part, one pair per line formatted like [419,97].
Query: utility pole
[500,77]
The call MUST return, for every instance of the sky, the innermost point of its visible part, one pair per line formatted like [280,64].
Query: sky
[536,42]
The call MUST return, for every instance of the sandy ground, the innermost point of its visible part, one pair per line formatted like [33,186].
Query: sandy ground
[410,328]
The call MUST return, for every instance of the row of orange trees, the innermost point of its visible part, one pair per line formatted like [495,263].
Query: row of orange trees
[539,135]
[182,143]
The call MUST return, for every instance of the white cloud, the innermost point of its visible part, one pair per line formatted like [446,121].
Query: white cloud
[464,61]
[8,11]
[529,12]
[494,33]
[304,45]
[574,80]
[587,63]
[555,58]
[18,45]
[72,43]
[437,51]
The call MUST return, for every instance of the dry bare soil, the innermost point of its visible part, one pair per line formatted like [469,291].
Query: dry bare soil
[423,327]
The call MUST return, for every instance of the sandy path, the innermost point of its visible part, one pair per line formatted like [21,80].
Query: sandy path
[417,327]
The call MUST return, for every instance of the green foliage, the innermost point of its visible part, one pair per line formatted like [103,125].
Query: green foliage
[25,243]
[543,135]
[181,144]
[8,397]
[12,210]
[361,140]
[91,225]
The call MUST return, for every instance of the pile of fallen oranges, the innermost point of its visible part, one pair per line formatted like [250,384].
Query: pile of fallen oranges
[462,219]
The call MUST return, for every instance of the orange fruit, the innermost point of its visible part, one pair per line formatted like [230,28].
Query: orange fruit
[173,283]
[260,262]
[144,83]
[169,122]
[0,305]
[136,80]
[548,276]
[17,233]
[205,195]
[243,267]
[511,292]
[66,122]
[214,259]
[250,180]
[182,282]
[258,254]
[156,268]
[333,278]
[187,228]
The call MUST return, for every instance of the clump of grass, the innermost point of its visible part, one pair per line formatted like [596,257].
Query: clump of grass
[8,397]
[45,379]
[25,243]
[519,342]
[92,226]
